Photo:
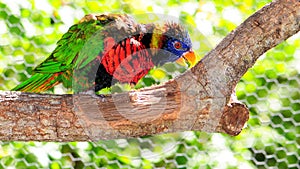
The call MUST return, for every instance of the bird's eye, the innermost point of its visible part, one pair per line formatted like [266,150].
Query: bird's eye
[177,45]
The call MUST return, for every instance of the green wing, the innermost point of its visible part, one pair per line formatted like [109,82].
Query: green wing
[76,48]
[66,54]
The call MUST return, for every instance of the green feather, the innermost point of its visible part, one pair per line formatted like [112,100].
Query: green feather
[65,56]
[78,47]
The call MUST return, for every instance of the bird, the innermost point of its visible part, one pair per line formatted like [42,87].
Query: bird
[103,49]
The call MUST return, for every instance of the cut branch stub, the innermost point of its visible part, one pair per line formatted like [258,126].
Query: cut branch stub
[234,118]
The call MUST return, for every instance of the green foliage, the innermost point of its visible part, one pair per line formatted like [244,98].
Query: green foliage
[29,31]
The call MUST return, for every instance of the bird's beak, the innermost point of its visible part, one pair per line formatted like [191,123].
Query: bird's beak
[188,58]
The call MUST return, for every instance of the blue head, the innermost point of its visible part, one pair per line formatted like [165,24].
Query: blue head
[174,44]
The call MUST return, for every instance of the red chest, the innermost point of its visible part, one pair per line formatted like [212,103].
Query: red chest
[126,61]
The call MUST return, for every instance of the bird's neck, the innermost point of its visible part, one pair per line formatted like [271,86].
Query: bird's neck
[155,35]
[154,39]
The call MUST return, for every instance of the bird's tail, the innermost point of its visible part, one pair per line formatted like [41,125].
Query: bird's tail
[39,82]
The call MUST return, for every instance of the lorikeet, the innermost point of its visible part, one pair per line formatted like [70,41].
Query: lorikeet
[107,48]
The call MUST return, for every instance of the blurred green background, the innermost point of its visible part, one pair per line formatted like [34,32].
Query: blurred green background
[30,29]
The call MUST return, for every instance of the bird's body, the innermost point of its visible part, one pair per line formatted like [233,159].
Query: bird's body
[103,49]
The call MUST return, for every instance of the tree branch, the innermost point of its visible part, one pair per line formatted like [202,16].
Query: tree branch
[200,99]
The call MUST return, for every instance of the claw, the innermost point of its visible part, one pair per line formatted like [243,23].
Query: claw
[94,95]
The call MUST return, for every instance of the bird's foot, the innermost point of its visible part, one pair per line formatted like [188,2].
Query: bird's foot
[94,95]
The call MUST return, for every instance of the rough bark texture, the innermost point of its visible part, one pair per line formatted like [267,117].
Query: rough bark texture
[200,99]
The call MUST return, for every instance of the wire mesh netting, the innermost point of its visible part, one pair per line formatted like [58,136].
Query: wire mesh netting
[30,29]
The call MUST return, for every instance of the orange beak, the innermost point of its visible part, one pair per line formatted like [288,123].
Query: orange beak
[189,58]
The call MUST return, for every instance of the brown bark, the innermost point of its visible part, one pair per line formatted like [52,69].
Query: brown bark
[200,99]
